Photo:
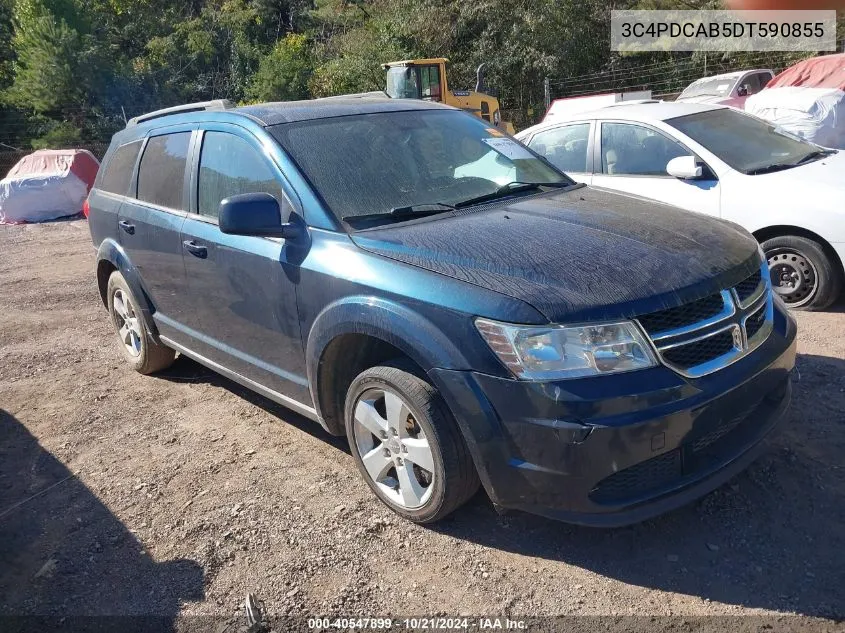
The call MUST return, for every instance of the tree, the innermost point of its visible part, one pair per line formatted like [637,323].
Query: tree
[58,135]
[7,51]
[283,73]
[48,75]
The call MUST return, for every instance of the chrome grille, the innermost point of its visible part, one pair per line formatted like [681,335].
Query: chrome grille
[755,322]
[706,335]
[701,351]
[682,316]
[749,289]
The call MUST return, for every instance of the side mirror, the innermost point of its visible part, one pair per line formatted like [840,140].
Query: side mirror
[255,214]
[684,167]
[743,91]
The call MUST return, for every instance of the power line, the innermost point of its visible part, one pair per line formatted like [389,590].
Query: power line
[667,76]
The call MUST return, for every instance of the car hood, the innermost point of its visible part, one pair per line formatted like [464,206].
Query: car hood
[826,175]
[582,254]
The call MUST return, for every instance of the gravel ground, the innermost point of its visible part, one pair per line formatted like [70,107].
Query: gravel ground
[178,494]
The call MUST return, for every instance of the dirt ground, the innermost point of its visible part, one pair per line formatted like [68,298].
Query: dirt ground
[178,494]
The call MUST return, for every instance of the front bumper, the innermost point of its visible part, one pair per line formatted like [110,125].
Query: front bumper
[615,450]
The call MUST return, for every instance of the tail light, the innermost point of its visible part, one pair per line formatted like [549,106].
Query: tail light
[86,208]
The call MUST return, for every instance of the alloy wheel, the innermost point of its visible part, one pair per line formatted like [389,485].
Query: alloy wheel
[127,322]
[793,275]
[394,449]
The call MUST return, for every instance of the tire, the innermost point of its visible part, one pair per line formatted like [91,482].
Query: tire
[138,347]
[803,273]
[425,420]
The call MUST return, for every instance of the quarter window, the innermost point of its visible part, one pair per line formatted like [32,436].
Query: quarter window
[229,166]
[117,173]
[161,176]
[564,147]
[636,150]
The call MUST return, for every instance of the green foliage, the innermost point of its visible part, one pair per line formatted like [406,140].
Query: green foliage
[283,73]
[7,52]
[59,135]
[48,56]
[70,69]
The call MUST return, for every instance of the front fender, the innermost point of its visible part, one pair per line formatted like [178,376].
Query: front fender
[111,252]
[408,331]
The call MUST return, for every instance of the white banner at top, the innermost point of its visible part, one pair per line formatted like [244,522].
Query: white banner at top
[810,31]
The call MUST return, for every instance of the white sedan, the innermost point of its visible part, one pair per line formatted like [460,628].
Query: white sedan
[717,160]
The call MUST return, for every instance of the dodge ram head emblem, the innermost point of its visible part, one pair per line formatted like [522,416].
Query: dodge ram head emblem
[737,335]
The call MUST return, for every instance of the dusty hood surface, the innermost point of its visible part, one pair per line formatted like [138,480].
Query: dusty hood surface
[580,254]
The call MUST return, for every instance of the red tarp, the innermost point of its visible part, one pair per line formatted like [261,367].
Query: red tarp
[827,71]
[81,163]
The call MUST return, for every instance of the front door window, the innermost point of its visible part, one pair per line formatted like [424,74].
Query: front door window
[230,166]
[634,150]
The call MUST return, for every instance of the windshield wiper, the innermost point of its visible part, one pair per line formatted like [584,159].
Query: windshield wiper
[767,169]
[433,208]
[401,213]
[509,188]
[819,153]
[426,207]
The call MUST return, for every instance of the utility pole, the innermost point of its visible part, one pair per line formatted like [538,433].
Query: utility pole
[547,93]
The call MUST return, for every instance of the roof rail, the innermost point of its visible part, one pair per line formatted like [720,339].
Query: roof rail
[633,102]
[375,94]
[219,104]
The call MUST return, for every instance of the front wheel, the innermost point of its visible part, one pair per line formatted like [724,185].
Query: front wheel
[407,445]
[802,273]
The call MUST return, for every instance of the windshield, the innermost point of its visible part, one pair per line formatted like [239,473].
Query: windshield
[717,87]
[402,83]
[374,163]
[744,142]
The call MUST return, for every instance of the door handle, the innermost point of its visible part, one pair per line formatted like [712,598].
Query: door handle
[196,249]
[129,228]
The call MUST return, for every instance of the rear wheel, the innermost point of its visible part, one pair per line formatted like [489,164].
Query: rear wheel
[139,349]
[802,273]
[407,445]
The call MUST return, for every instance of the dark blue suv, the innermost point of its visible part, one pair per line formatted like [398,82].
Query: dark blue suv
[406,275]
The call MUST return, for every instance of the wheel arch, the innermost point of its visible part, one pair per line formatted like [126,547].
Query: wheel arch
[357,333]
[785,230]
[110,258]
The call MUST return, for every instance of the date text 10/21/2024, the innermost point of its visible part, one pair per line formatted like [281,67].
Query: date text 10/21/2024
[418,623]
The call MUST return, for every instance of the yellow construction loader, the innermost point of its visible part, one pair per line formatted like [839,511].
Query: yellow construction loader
[426,79]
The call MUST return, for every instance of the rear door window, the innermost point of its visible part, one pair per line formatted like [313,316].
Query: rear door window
[117,174]
[161,176]
[229,166]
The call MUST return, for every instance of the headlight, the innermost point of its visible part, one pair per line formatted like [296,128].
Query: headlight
[556,352]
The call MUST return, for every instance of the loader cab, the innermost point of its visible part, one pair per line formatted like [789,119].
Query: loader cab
[420,79]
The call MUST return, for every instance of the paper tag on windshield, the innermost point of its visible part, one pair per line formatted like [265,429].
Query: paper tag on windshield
[508,148]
